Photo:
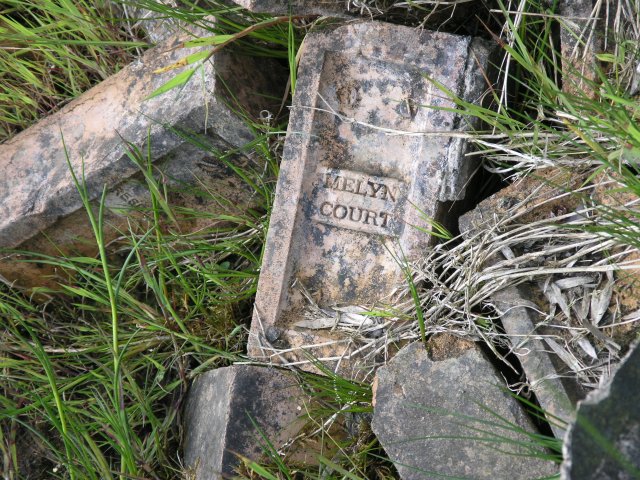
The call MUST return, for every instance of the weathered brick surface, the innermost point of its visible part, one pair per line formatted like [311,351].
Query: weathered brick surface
[221,410]
[37,192]
[370,153]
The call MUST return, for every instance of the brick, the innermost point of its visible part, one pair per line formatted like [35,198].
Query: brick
[40,207]
[363,150]
[219,411]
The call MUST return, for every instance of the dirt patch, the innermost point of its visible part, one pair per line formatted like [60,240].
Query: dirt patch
[33,458]
[536,196]
[445,345]
[627,291]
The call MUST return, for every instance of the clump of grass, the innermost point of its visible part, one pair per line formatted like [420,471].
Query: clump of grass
[218,18]
[535,124]
[572,267]
[94,378]
[53,50]
[95,370]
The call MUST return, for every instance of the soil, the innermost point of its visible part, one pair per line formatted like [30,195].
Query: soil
[547,184]
[443,346]
[33,461]
[627,291]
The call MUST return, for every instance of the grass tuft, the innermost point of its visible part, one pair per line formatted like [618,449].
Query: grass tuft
[53,50]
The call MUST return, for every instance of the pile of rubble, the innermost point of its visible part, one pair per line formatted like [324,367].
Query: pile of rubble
[375,159]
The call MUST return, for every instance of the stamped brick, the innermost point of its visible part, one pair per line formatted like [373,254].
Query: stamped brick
[372,151]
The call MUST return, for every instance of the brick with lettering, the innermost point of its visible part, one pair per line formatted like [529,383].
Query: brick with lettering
[373,152]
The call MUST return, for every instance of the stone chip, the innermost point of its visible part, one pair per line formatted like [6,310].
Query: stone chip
[452,419]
